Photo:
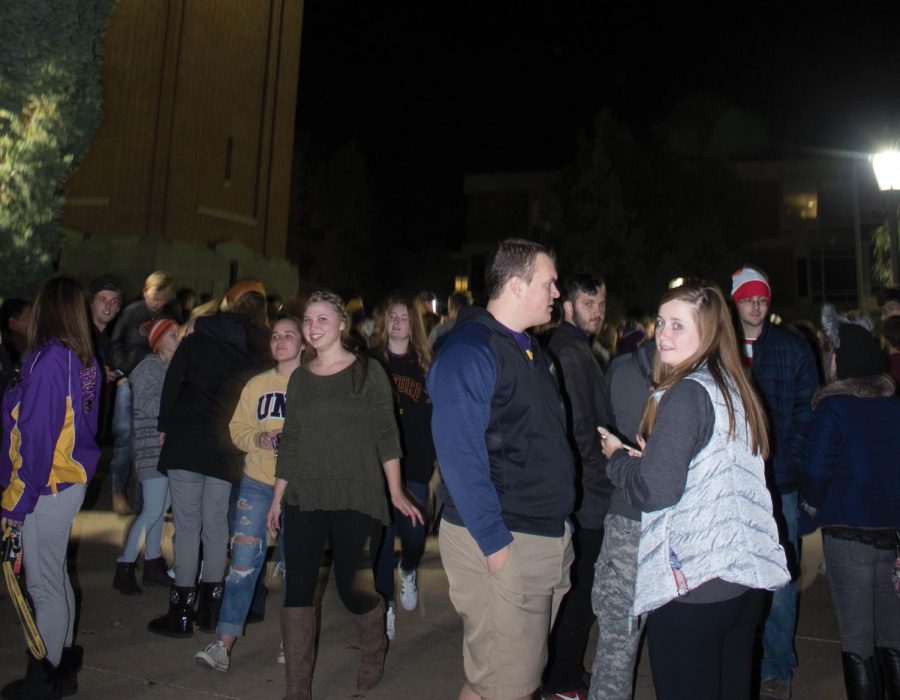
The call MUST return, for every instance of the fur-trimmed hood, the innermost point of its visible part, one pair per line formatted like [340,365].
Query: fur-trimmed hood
[877,386]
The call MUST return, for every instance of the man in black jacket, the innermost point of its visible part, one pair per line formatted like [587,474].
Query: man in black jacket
[585,394]
[128,348]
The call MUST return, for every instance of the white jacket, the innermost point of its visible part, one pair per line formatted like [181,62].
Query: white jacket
[722,527]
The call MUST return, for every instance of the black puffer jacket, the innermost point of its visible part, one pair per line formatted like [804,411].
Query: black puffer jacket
[202,388]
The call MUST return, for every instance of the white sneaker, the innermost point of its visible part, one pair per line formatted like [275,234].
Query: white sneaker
[215,656]
[390,619]
[281,652]
[409,592]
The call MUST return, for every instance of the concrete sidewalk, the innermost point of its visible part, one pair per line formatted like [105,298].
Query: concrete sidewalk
[123,660]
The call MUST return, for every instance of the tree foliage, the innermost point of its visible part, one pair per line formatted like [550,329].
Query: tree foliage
[50,106]
[642,214]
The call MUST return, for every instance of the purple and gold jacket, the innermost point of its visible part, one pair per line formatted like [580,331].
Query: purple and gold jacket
[49,421]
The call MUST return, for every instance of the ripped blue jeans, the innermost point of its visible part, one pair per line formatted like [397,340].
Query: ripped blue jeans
[248,554]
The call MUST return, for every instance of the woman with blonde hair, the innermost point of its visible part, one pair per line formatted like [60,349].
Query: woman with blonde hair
[338,448]
[402,349]
[709,544]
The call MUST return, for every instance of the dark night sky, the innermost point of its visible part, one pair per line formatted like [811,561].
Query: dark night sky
[477,90]
[433,91]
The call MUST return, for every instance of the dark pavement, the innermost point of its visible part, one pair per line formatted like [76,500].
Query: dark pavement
[123,660]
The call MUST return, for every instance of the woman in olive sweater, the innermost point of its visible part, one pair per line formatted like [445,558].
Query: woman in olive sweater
[339,445]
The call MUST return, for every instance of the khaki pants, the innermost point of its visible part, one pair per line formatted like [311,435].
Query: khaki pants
[506,616]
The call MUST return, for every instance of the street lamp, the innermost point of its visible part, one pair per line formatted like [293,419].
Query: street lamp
[887,172]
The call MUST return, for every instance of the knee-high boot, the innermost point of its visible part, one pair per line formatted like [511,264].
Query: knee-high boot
[860,677]
[889,661]
[298,635]
[372,646]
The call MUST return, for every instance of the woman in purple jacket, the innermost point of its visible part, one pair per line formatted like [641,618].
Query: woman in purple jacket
[48,457]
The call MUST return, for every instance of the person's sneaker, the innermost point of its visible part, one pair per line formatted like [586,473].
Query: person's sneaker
[573,695]
[390,619]
[775,689]
[280,652]
[409,592]
[215,656]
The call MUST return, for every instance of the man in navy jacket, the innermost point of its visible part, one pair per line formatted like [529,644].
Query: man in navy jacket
[784,371]
[499,429]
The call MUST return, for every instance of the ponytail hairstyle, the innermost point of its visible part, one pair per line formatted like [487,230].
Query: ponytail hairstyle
[718,351]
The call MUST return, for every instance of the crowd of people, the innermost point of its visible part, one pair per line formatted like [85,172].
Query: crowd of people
[665,490]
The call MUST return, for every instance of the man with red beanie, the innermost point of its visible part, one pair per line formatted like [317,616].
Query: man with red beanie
[784,372]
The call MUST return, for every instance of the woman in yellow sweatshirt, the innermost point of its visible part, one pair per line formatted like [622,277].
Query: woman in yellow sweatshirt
[255,427]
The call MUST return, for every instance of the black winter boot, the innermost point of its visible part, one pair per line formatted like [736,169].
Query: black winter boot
[69,666]
[156,573]
[40,683]
[124,580]
[179,621]
[860,677]
[208,604]
[889,661]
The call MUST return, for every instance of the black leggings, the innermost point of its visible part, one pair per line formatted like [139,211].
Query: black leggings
[305,534]
[704,651]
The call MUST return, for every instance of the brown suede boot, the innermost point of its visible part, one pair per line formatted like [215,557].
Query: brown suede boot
[298,636]
[372,646]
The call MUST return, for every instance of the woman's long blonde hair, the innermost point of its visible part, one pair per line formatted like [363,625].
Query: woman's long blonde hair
[718,351]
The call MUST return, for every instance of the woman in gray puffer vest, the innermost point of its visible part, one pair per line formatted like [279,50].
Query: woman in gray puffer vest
[709,544]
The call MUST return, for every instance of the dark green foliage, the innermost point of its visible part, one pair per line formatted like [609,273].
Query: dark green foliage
[643,214]
[50,106]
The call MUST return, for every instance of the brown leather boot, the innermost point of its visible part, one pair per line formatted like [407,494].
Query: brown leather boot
[298,636]
[373,646]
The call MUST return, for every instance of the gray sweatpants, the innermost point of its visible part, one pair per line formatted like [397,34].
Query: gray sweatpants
[200,507]
[45,539]
[612,597]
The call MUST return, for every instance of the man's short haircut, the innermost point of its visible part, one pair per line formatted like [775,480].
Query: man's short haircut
[160,281]
[891,331]
[514,257]
[582,282]
[459,299]
[888,294]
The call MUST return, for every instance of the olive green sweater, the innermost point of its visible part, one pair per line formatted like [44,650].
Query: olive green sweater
[336,440]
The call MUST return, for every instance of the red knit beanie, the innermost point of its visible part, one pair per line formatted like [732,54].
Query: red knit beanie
[158,330]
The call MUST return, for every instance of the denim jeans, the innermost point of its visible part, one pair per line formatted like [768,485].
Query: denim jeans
[412,543]
[150,520]
[120,466]
[779,656]
[248,554]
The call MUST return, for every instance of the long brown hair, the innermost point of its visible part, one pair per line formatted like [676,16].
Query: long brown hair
[418,341]
[718,351]
[60,312]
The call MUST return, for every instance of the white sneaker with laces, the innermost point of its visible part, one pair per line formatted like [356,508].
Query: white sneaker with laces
[390,620]
[215,656]
[409,592]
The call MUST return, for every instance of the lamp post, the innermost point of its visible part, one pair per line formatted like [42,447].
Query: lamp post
[887,172]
